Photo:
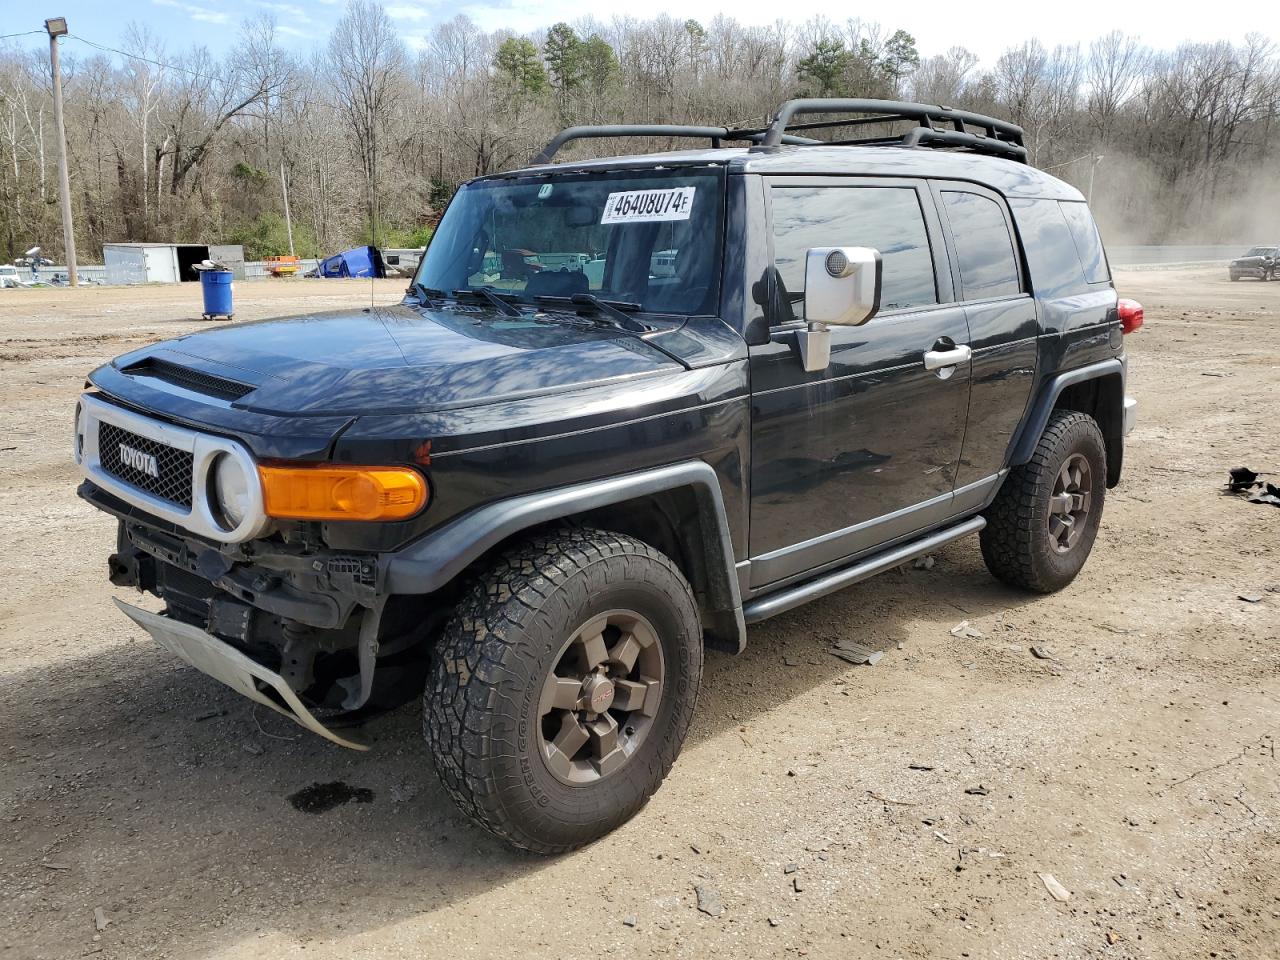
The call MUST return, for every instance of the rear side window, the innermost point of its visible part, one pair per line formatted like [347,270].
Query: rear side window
[1088,244]
[1050,249]
[887,218]
[988,263]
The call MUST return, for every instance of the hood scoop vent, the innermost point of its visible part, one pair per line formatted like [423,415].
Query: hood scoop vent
[195,380]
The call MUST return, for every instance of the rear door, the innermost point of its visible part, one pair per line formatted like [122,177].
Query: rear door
[989,278]
[866,451]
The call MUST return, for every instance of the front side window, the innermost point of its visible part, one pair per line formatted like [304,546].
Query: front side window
[988,264]
[886,218]
[650,238]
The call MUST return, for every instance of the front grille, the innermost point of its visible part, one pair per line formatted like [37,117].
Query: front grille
[196,380]
[173,466]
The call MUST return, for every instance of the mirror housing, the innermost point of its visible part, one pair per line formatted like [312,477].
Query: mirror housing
[842,285]
[841,288]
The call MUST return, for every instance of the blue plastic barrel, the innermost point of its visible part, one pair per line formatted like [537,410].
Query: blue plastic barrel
[216,287]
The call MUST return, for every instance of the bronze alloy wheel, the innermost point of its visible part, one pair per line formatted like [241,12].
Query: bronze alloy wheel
[1042,523]
[600,698]
[562,686]
[1069,504]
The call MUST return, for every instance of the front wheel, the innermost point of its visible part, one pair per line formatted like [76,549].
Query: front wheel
[1042,524]
[562,688]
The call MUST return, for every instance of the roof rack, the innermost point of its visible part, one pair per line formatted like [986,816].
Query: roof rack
[994,137]
[715,134]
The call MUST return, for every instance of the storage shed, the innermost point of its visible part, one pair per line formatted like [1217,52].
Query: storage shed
[166,262]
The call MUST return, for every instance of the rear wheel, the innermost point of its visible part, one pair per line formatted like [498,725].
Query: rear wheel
[562,687]
[1042,524]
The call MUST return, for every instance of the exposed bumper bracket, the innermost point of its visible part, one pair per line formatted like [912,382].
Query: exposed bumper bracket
[225,663]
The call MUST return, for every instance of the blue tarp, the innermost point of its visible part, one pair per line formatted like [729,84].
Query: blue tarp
[359,262]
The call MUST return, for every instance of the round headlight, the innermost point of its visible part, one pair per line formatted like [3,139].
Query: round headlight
[230,491]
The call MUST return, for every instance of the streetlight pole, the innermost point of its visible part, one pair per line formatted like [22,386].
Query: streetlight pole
[57,27]
[1093,169]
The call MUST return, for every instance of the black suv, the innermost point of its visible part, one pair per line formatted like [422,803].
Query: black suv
[627,407]
[1259,262]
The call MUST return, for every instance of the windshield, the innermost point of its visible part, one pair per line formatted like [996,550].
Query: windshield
[1258,252]
[650,238]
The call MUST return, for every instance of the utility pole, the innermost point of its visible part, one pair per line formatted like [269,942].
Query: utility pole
[1092,170]
[57,27]
[288,221]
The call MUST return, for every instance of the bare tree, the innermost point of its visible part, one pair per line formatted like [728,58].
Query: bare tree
[1113,70]
[368,61]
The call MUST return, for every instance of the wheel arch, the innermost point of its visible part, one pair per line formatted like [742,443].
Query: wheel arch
[678,509]
[1096,390]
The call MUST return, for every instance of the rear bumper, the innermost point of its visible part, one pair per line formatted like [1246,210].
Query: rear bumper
[223,662]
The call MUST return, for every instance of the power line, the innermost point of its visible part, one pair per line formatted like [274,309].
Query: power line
[138,56]
[177,69]
[25,33]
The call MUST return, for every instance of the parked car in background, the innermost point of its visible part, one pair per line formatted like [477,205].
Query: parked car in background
[9,276]
[1259,262]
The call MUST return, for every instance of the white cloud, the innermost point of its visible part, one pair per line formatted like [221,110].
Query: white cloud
[290,10]
[415,13]
[195,12]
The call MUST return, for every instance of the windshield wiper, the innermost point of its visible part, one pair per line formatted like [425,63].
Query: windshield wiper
[613,309]
[488,296]
[430,292]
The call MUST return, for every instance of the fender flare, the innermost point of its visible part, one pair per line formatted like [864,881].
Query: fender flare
[430,563]
[1038,417]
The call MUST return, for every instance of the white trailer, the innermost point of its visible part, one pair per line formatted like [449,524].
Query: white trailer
[166,262]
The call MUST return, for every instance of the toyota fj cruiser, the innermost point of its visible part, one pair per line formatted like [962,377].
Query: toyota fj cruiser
[627,407]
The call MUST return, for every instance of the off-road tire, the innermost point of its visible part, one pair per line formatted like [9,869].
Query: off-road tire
[1016,542]
[481,704]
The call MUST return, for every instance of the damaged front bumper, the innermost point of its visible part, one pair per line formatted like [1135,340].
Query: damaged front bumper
[218,659]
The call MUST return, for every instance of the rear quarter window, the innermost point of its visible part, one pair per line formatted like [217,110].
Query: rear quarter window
[1088,244]
[1050,248]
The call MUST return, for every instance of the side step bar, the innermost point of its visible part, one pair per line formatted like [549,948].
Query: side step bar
[783,600]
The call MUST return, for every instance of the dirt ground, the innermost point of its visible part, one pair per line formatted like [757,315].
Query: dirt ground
[1138,766]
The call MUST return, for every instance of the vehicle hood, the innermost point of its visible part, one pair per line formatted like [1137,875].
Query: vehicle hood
[1248,261]
[392,359]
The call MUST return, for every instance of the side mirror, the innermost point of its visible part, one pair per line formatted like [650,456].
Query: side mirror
[841,288]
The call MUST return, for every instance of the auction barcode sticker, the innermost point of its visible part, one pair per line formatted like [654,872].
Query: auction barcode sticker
[648,206]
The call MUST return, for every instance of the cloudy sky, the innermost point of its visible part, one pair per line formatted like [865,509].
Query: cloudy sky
[936,24]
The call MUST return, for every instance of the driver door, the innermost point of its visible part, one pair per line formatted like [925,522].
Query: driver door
[865,452]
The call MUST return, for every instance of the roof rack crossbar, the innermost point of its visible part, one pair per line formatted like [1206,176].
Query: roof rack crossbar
[715,134]
[922,137]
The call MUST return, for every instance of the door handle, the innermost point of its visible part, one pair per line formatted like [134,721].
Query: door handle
[937,359]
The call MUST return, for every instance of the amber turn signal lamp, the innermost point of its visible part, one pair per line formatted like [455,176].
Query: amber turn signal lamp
[338,492]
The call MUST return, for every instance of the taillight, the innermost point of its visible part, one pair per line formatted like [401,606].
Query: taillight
[1130,312]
